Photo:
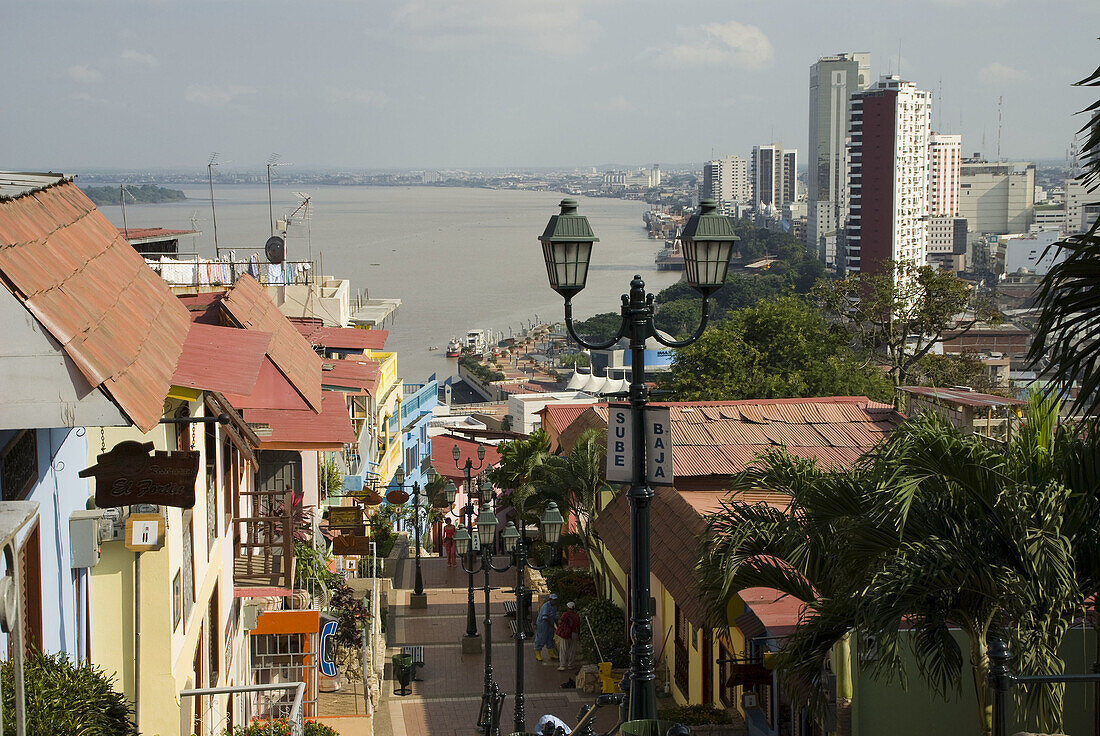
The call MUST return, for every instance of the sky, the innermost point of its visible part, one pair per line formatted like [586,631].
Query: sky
[462,84]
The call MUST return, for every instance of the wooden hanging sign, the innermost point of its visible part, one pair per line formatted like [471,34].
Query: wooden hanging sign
[129,475]
[144,532]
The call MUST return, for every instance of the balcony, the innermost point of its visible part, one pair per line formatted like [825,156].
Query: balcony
[263,546]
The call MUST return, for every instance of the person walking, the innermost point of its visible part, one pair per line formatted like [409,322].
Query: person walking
[449,543]
[566,635]
[544,628]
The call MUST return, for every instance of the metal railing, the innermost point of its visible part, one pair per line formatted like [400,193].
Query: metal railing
[295,718]
[207,272]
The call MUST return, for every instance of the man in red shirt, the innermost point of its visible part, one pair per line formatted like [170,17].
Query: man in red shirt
[567,633]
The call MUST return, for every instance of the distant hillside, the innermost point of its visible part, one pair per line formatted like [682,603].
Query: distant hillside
[144,194]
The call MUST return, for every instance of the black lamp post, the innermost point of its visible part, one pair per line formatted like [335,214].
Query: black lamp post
[707,241]
[470,640]
[420,599]
[491,696]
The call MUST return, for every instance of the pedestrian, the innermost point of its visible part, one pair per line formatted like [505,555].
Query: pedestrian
[566,636]
[544,628]
[449,542]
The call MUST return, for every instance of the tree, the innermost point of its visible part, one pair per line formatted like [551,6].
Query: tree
[576,480]
[936,529]
[519,462]
[776,349]
[964,369]
[1067,335]
[900,313]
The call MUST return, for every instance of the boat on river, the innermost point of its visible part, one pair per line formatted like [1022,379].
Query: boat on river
[454,348]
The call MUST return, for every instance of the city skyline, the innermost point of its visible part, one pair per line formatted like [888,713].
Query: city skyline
[492,84]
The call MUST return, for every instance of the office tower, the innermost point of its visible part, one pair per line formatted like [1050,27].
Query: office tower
[774,176]
[833,79]
[888,188]
[946,237]
[997,198]
[727,180]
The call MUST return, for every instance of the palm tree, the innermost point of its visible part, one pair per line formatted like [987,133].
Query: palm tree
[1067,335]
[576,482]
[935,530]
[517,470]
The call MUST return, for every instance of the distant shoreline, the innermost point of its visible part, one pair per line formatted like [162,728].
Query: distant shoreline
[141,194]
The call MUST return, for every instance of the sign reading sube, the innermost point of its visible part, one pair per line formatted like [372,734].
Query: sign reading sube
[620,445]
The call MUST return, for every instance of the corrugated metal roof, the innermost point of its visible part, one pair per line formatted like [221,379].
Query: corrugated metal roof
[339,338]
[73,270]
[221,359]
[966,398]
[250,306]
[18,183]
[330,429]
[351,376]
[271,391]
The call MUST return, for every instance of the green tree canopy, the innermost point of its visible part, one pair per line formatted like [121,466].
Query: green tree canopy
[777,349]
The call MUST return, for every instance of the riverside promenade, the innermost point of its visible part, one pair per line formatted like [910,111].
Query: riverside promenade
[447,695]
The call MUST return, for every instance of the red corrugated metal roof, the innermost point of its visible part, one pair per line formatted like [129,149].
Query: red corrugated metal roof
[250,306]
[557,416]
[351,376]
[778,612]
[331,429]
[114,317]
[339,338]
[271,391]
[966,398]
[444,463]
[221,359]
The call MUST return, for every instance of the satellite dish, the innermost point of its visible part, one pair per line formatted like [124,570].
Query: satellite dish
[275,249]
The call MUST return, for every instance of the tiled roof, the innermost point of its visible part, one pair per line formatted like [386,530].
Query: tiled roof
[965,398]
[221,359]
[250,306]
[114,317]
[775,613]
[444,463]
[724,437]
[279,428]
[339,338]
[351,376]
[556,416]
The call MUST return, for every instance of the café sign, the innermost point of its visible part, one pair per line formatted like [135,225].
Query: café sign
[129,475]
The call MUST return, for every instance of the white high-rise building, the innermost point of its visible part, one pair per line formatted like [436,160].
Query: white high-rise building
[727,180]
[944,161]
[774,176]
[888,189]
[833,80]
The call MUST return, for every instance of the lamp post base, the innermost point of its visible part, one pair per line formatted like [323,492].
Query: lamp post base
[418,601]
[471,645]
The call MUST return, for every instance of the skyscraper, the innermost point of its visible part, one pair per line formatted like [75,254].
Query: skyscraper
[774,175]
[833,79]
[888,188]
[727,180]
[945,239]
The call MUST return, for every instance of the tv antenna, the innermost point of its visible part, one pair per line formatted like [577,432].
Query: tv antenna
[272,161]
[213,214]
[122,192]
[1000,108]
[303,214]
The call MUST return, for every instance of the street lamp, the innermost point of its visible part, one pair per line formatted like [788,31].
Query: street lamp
[491,697]
[418,599]
[707,241]
[517,546]
[470,642]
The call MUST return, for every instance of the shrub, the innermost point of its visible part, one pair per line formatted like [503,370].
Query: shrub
[693,715]
[282,728]
[571,584]
[65,697]
[609,625]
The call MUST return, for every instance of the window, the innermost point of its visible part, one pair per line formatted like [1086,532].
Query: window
[19,465]
[188,565]
[680,651]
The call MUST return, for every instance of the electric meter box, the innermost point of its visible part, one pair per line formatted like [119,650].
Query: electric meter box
[84,537]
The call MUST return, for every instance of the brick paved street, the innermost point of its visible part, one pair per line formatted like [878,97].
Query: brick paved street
[446,699]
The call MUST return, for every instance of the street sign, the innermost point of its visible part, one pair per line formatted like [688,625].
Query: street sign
[345,516]
[658,445]
[620,444]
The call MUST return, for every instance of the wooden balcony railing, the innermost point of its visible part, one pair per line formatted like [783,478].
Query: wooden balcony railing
[263,546]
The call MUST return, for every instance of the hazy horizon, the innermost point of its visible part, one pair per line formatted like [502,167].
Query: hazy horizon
[512,84]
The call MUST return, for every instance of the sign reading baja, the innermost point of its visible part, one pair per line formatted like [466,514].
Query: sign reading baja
[658,445]
[129,475]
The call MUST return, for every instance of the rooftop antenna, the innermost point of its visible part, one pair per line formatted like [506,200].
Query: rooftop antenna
[1000,107]
[939,106]
[303,213]
[272,161]
[213,214]
[899,58]
[122,192]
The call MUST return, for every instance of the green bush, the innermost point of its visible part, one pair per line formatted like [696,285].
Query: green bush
[609,625]
[693,715]
[65,697]
[282,728]
[570,583]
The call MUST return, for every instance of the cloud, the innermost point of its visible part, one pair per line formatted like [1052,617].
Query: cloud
[559,28]
[82,73]
[998,73]
[140,58]
[729,44]
[618,102]
[214,95]
[367,97]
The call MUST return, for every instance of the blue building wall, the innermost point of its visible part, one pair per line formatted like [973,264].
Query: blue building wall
[62,453]
[417,405]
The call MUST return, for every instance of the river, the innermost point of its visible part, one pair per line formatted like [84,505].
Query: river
[457,258]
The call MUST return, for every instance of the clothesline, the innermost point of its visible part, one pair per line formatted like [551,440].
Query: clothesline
[225,271]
